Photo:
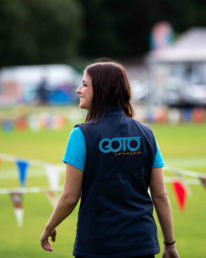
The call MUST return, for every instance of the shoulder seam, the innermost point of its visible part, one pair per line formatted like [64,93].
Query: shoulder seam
[144,125]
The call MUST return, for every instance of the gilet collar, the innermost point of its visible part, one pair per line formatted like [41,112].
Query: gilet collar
[114,111]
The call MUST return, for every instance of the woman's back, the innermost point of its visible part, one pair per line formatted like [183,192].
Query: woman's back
[115,215]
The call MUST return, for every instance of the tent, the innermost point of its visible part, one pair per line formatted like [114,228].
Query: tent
[190,47]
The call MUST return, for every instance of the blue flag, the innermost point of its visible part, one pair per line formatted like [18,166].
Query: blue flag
[187,115]
[22,167]
[7,125]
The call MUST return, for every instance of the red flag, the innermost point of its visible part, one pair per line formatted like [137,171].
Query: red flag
[198,115]
[203,181]
[180,194]
[21,124]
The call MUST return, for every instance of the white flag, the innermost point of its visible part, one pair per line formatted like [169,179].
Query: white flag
[34,124]
[19,213]
[52,197]
[53,176]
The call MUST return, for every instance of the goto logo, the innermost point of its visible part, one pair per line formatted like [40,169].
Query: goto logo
[123,142]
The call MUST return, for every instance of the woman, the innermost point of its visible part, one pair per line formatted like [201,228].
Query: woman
[111,161]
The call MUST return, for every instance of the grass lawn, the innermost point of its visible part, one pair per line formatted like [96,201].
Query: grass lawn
[181,146]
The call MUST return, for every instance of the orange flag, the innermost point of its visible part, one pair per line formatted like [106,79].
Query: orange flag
[180,194]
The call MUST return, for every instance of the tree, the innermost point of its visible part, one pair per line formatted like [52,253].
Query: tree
[121,28]
[35,31]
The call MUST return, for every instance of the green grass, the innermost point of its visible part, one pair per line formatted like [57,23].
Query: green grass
[183,146]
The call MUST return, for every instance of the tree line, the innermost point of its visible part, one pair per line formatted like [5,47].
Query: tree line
[51,31]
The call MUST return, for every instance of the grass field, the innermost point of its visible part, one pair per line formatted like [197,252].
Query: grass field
[181,146]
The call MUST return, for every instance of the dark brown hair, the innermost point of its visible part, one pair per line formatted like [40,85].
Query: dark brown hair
[111,87]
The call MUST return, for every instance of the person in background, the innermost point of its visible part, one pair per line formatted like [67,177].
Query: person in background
[42,91]
[112,161]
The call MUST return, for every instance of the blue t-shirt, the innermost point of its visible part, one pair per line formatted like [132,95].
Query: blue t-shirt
[75,153]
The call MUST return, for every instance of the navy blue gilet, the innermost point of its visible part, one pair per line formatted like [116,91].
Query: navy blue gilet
[116,212]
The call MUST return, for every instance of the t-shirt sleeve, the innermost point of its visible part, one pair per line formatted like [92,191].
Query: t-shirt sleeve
[75,153]
[158,161]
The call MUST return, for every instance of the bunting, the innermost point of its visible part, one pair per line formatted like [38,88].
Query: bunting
[34,124]
[180,194]
[186,115]
[198,115]
[174,116]
[203,181]
[53,176]
[17,201]
[22,168]
[7,126]
[179,185]
[52,197]
[182,179]
[21,124]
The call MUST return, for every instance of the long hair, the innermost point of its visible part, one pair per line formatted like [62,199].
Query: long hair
[111,87]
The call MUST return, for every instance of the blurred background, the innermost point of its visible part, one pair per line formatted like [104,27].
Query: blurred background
[44,48]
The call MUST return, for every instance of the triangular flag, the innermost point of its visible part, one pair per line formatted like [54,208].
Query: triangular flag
[187,115]
[180,194]
[183,180]
[198,115]
[22,167]
[52,197]
[34,124]
[53,176]
[174,116]
[18,207]
[19,213]
[203,181]
[7,125]
[21,124]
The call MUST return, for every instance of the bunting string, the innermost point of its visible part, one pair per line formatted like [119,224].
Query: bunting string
[184,172]
[39,163]
[33,162]
[168,179]
[29,189]
[180,184]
